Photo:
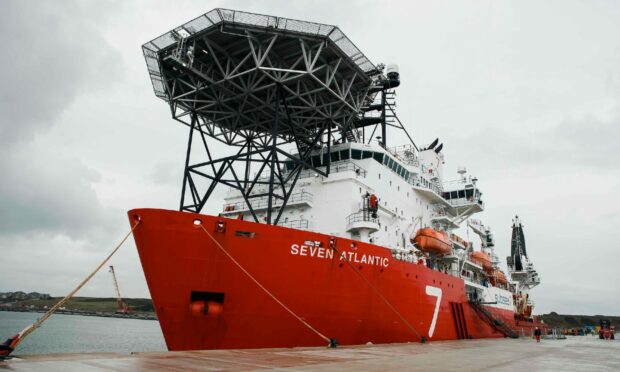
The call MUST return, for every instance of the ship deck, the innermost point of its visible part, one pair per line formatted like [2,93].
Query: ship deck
[580,353]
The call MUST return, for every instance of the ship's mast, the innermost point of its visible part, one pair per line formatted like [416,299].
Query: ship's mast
[520,268]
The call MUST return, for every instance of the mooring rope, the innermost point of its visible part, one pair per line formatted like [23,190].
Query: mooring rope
[28,330]
[376,290]
[310,327]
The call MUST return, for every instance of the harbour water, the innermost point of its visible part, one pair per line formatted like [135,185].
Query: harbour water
[80,334]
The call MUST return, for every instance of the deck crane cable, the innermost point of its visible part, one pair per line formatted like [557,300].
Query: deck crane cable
[18,338]
[376,290]
[331,342]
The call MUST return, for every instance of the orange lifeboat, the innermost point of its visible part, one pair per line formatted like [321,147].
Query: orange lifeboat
[432,241]
[498,276]
[481,259]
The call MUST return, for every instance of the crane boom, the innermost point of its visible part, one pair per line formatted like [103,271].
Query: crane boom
[122,306]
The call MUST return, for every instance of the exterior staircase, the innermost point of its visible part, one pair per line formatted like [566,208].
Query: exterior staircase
[349,135]
[497,324]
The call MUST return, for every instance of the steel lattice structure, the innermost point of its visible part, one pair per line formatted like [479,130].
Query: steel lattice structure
[258,82]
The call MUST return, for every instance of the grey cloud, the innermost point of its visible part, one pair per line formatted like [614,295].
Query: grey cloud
[49,50]
[49,192]
[166,172]
[52,54]
[588,141]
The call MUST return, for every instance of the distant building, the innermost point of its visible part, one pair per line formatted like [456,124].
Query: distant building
[20,296]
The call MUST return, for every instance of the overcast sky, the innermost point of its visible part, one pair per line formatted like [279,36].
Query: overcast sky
[525,94]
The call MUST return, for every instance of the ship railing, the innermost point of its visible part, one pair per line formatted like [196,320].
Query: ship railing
[406,154]
[438,210]
[263,202]
[423,182]
[361,216]
[295,224]
[465,201]
[336,167]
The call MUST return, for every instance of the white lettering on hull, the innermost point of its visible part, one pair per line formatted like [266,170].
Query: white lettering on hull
[353,257]
[434,292]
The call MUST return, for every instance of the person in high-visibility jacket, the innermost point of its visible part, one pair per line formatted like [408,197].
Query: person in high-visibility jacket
[373,205]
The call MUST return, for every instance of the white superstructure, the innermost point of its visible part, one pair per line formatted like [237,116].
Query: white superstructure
[408,184]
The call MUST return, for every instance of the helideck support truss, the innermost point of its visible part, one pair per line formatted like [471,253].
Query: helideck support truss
[256,165]
[258,83]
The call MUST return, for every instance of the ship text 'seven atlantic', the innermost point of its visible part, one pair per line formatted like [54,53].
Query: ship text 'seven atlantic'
[354,257]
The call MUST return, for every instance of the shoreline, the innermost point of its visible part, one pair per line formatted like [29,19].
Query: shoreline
[140,316]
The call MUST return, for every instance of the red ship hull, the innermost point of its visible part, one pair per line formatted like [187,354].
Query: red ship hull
[184,266]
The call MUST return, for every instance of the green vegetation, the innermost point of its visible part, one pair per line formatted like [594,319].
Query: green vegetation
[556,320]
[90,304]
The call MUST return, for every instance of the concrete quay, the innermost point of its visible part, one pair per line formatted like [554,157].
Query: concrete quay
[580,353]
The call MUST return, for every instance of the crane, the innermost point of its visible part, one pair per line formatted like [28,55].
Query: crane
[122,306]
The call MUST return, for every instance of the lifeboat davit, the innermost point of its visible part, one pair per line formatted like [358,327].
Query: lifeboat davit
[432,241]
[482,259]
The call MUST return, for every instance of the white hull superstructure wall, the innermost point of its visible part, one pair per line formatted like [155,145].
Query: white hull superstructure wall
[408,197]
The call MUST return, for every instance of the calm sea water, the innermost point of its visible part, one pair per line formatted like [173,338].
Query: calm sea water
[76,334]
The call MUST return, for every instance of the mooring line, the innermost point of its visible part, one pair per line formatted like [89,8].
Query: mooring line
[376,290]
[17,339]
[330,341]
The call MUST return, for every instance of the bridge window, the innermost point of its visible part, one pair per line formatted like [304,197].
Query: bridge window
[367,154]
[344,154]
[378,157]
[356,154]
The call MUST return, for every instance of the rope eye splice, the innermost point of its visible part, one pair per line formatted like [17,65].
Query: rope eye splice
[11,343]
